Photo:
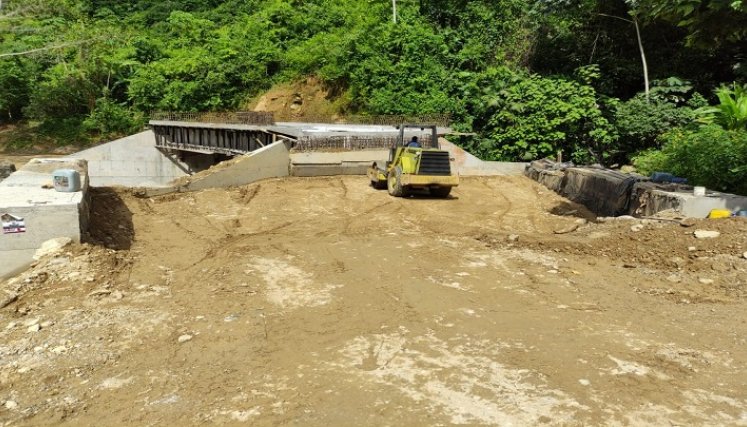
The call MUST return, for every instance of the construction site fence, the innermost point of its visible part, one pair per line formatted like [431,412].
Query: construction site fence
[349,143]
[268,118]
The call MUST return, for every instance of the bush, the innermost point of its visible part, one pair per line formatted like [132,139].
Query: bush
[639,123]
[710,156]
[731,112]
[109,118]
[525,116]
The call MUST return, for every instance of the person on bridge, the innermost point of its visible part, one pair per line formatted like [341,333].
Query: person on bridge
[414,143]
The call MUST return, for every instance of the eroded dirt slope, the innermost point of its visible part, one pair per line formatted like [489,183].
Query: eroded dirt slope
[325,302]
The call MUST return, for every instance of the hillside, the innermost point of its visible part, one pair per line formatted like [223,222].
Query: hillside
[528,78]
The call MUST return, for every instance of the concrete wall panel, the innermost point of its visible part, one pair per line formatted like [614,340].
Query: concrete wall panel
[133,161]
[271,161]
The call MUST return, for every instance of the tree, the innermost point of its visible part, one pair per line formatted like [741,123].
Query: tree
[709,23]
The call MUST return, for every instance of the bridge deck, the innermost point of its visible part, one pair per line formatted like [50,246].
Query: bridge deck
[237,139]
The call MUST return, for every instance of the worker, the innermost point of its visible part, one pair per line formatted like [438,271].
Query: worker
[414,143]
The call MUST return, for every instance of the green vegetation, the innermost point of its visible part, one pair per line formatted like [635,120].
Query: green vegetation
[714,154]
[711,156]
[528,78]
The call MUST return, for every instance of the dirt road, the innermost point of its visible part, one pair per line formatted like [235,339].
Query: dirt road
[325,302]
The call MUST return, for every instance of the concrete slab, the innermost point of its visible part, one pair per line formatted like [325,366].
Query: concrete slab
[133,161]
[649,198]
[39,214]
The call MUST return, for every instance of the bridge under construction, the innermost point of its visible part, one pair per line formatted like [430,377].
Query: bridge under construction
[244,132]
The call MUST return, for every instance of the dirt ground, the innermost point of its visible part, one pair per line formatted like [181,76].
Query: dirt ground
[325,302]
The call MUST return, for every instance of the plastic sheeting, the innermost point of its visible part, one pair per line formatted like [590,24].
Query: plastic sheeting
[604,192]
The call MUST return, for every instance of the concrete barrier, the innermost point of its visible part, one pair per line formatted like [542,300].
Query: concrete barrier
[33,213]
[133,161]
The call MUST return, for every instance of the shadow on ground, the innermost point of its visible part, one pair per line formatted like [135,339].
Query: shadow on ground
[111,221]
[566,208]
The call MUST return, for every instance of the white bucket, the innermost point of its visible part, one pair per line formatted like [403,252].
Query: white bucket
[66,180]
[699,191]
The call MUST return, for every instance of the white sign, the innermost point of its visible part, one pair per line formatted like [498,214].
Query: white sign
[12,224]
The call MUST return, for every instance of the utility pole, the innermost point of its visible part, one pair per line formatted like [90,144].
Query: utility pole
[394,11]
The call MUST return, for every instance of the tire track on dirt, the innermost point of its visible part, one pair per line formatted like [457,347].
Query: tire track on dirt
[225,245]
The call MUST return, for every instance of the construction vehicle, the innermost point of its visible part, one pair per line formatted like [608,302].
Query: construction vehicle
[413,169]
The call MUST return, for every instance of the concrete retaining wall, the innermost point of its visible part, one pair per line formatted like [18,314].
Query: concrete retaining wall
[271,161]
[317,163]
[133,161]
[46,213]
[468,165]
[611,193]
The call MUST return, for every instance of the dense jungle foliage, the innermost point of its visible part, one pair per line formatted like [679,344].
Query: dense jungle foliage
[528,78]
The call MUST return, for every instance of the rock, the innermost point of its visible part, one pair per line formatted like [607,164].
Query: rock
[59,349]
[31,322]
[52,246]
[99,293]
[34,328]
[678,262]
[46,323]
[6,168]
[584,382]
[705,281]
[10,404]
[513,238]
[688,222]
[692,248]
[8,299]
[582,221]
[11,325]
[567,230]
[706,234]
[636,228]
[184,338]
[673,278]
[744,255]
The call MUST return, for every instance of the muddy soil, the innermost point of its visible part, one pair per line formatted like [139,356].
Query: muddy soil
[325,302]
